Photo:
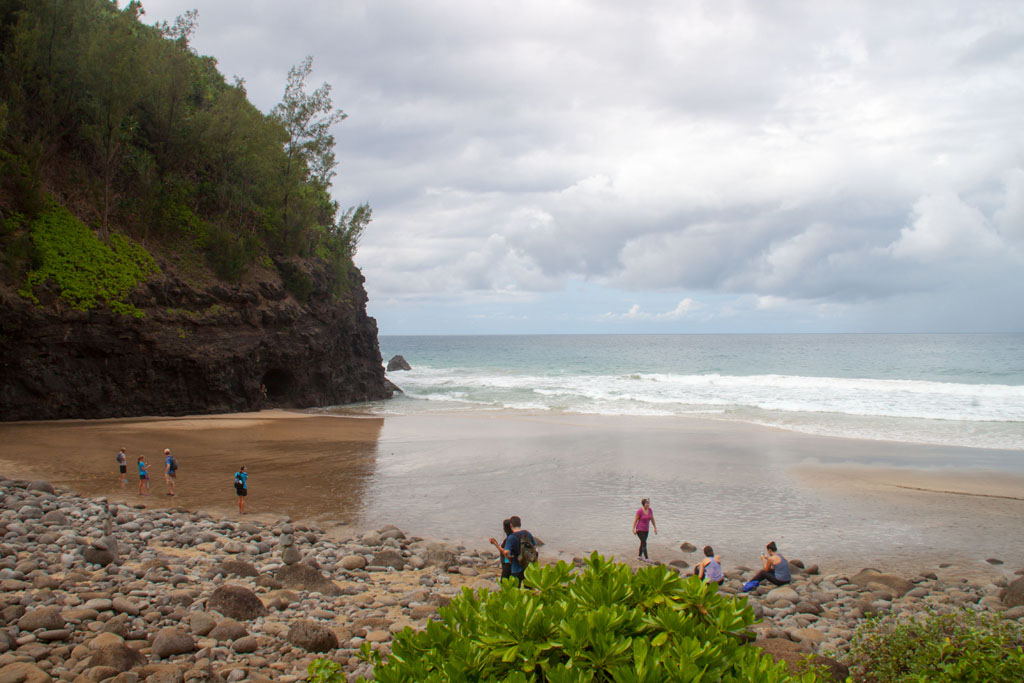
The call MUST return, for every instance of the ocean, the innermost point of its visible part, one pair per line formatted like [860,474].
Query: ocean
[962,390]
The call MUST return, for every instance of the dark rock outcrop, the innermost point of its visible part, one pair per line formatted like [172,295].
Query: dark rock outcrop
[398,363]
[237,602]
[197,350]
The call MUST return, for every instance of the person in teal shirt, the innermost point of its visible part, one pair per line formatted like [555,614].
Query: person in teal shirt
[143,476]
[241,488]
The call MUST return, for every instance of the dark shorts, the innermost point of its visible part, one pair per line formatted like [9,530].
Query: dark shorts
[123,469]
[241,491]
[143,477]
[172,474]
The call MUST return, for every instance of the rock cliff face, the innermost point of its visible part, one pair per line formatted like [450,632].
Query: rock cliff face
[199,349]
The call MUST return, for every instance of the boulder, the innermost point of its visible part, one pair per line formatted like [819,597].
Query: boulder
[172,641]
[291,555]
[46,618]
[687,547]
[237,602]
[245,645]
[388,558]
[782,593]
[44,486]
[797,659]
[235,568]
[116,655]
[302,576]
[201,623]
[351,562]
[897,585]
[398,363]
[312,636]
[229,629]
[437,555]
[23,672]
[55,517]
[1013,596]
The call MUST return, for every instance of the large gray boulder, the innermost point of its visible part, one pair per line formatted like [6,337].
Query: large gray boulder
[237,602]
[398,363]
[302,576]
[172,641]
[117,656]
[896,584]
[312,636]
[1014,594]
[46,618]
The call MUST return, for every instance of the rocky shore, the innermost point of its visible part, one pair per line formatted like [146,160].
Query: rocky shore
[98,591]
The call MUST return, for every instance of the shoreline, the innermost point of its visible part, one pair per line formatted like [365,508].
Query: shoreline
[330,469]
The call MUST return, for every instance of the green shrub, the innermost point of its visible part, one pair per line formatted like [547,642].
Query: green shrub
[229,255]
[961,646]
[84,268]
[601,624]
[296,280]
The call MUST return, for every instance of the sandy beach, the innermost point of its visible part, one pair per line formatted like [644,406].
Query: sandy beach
[575,480]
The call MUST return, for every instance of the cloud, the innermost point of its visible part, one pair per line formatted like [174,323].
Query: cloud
[845,158]
[634,313]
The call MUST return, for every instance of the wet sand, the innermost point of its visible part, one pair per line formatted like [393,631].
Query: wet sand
[575,480]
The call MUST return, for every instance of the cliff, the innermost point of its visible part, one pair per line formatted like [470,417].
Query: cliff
[198,349]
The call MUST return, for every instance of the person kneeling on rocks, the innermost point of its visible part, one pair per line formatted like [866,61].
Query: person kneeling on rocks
[776,567]
[710,568]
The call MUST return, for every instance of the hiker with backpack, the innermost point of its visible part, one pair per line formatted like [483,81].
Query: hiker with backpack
[241,488]
[520,549]
[122,464]
[170,470]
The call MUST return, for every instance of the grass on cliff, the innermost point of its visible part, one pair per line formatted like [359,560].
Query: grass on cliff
[86,270]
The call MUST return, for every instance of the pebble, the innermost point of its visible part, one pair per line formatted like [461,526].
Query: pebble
[155,598]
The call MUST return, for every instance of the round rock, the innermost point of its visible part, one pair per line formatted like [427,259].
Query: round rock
[237,602]
[172,641]
[312,636]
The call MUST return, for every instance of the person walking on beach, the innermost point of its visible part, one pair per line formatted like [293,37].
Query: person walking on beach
[506,566]
[776,567]
[241,488]
[122,464]
[170,470]
[643,521]
[710,568]
[520,549]
[143,476]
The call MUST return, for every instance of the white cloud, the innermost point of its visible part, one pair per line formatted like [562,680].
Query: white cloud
[846,158]
[634,313]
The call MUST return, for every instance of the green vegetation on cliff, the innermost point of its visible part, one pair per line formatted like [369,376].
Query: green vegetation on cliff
[116,128]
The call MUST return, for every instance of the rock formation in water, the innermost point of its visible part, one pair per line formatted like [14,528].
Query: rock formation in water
[398,363]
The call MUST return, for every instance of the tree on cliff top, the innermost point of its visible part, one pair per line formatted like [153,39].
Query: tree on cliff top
[134,133]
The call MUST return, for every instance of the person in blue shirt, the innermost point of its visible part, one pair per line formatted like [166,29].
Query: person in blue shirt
[241,488]
[512,547]
[143,476]
[506,567]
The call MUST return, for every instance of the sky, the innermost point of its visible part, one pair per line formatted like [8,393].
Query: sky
[562,166]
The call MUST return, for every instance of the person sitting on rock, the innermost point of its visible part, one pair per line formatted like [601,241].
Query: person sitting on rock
[776,567]
[710,568]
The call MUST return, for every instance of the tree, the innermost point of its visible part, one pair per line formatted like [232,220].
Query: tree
[307,119]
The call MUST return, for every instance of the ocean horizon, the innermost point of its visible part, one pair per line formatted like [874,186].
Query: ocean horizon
[943,389]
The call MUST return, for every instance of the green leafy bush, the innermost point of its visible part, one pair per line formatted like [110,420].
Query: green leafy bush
[84,268]
[602,624]
[296,280]
[961,646]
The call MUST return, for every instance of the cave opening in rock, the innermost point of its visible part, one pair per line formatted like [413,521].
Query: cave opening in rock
[278,382]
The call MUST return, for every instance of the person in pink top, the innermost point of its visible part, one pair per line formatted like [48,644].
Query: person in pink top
[642,524]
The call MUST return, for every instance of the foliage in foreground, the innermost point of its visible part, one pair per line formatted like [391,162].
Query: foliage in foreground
[961,646]
[602,624]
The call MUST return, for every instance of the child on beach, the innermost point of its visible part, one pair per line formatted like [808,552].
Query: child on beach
[143,476]
[506,566]
[710,568]
[122,464]
[642,523]
[776,567]
[241,488]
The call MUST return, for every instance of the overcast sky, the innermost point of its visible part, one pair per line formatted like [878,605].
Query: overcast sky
[676,166]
